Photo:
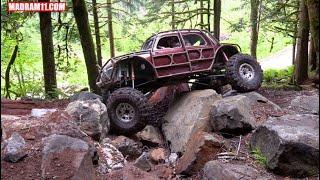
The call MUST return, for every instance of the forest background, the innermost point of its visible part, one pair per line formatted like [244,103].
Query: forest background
[42,54]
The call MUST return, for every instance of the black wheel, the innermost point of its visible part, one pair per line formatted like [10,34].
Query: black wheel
[128,110]
[244,73]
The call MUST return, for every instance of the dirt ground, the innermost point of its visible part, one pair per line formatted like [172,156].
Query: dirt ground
[32,128]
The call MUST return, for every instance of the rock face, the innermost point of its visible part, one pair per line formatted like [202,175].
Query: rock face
[84,96]
[130,172]
[14,148]
[66,158]
[91,116]
[255,98]
[128,147]
[150,136]
[201,148]
[290,144]
[60,122]
[187,115]
[309,104]
[216,170]
[232,115]
[3,134]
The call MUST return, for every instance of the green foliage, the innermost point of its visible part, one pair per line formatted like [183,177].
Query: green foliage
[278,76]
[134,21]
[259,157]
[279,79]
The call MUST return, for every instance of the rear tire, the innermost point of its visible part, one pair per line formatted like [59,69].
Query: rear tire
[128,110]
[244,73]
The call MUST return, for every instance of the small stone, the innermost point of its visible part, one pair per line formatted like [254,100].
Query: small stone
[150,136]
[130,172]
[172,159]
[201,148]
[110,158]
[128,147]
[143,162]
[158,155]
[14,149]
[163,171]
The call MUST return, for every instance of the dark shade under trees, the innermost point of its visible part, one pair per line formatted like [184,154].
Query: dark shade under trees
[81,15]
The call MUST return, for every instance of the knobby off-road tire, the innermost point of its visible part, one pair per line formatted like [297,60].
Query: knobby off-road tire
[128,110]
[244,73]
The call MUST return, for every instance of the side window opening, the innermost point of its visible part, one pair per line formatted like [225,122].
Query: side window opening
[193,40]
[148,44]
[169,42]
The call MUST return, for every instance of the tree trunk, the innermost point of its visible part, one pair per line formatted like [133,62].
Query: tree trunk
[201,14]
[294,44]
[7,74]
[173,24]
[208,15]
[313,13]
[312,56]
[81,15]
[254,27]
[301,65]
[97,32]
[217,16]
[49,71]
[110,28]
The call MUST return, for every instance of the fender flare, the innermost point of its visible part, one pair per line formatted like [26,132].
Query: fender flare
[137,59]
[232,48]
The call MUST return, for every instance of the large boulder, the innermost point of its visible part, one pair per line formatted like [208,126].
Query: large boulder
[187,115]
[128,147]
[14,148]
[84,96]
[91,116]
[232,115]
[290,144]
[217,170]
[256,98]
[66,158]
[60,122]
[306,104]
[201,148]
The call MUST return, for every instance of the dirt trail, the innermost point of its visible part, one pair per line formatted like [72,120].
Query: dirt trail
[279,60]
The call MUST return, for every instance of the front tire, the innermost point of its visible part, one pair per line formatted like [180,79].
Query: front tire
[244,73]
[128,110]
